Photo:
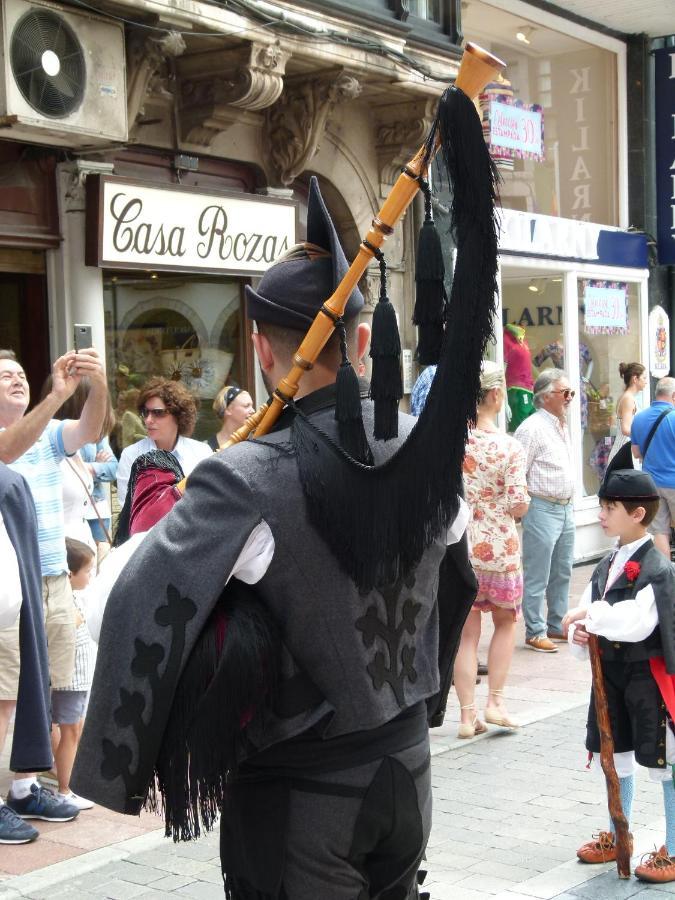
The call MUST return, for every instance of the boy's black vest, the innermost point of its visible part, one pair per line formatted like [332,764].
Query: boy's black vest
[657,571]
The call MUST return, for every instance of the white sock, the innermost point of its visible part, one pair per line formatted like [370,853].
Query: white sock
[21,787]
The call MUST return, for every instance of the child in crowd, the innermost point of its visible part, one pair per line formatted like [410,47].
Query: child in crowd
[629,604]
[69,705]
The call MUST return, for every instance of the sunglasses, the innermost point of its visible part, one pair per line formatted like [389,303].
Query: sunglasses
[567,393]
[157,413]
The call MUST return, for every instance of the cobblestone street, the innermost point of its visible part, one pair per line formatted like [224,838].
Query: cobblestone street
[510,809]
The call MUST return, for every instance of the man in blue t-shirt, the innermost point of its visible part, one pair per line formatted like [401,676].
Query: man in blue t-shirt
[33,445]
[659,460]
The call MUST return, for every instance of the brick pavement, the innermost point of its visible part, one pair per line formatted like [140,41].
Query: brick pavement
[509,811]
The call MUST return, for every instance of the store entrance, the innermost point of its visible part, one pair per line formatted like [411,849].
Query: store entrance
[532,322]
[24,324]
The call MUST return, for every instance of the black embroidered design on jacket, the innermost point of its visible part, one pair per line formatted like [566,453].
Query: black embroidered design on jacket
[397,664]
[117,758]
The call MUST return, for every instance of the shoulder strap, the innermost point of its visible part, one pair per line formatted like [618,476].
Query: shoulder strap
[666,412]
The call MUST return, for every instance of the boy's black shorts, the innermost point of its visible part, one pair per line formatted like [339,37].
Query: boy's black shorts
[637,713]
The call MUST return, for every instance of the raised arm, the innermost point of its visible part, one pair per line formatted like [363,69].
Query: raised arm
[87,429]
[21,435]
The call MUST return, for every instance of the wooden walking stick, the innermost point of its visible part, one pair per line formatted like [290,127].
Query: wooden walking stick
[607,761]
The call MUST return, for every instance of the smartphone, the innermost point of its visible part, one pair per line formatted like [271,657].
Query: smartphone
[82,337]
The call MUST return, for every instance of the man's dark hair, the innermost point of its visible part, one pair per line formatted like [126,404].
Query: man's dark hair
[78,555]
[287,340]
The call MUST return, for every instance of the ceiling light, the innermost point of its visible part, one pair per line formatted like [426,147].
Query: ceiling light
[524,33]
[533,286]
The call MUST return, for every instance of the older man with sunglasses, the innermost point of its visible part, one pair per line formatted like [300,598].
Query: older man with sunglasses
[548,527]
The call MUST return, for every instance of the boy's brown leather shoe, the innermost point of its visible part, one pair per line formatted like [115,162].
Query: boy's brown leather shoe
[601,849]
[657,867]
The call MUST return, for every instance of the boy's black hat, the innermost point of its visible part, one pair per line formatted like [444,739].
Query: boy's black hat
[628,484]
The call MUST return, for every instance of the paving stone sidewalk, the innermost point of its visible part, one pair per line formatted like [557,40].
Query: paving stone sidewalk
[509,811]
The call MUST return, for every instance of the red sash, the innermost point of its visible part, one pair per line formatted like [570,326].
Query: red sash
[665,682]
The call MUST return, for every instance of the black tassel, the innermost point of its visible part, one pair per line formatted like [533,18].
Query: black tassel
[230,673]
[381,519]
[430,297]
[386,384]
[348,415]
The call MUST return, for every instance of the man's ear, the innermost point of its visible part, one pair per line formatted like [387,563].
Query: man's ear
[263,351]
[362,339]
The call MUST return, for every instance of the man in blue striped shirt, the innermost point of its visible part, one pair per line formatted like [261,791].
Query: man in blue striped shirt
[34,445]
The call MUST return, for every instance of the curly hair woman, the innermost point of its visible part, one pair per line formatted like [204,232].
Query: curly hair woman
[169,411]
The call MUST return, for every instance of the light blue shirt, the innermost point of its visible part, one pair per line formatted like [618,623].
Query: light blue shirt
[419,392]
[40,466]
[660,459]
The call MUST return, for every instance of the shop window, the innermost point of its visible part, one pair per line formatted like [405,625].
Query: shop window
[574,84]
[187,328]
[609,334]
[533,303]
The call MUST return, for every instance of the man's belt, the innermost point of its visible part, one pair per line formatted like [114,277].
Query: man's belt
[556,500]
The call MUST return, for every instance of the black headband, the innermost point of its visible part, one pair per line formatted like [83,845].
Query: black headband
[230,395]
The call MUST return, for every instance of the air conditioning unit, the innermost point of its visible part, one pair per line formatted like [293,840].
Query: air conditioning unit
[63,76]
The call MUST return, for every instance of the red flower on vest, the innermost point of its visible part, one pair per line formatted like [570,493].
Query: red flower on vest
[632,570]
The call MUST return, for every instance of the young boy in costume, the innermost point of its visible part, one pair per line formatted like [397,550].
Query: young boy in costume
[629,605]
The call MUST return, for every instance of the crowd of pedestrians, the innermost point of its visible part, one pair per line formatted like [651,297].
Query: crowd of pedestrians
[57,466]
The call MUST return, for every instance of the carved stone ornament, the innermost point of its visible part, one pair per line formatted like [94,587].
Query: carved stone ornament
[77,172]
[146,68]
[401,130]
[215,85]
[296,124]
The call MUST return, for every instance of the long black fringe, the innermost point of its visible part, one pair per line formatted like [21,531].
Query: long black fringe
[381,519]
[219,690]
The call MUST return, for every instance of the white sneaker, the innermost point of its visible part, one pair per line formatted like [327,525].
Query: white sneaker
[79,802]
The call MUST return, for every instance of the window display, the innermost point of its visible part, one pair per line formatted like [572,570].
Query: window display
[609,332]
[187,328]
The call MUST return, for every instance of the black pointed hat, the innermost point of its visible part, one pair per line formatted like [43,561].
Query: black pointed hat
[292,291]
[623,482]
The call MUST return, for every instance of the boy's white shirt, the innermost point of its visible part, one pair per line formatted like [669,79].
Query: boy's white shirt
[629,620]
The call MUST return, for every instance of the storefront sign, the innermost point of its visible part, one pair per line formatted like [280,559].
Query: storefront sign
[605,307]
[534,235]
[659,342]
[135,225]
[516,129]
[665,153]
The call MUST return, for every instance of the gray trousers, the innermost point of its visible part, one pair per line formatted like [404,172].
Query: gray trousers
[355,834]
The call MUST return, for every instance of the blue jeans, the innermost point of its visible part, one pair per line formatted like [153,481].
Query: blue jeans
[548,552]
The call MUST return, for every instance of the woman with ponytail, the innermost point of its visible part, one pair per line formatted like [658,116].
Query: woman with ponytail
[634,377]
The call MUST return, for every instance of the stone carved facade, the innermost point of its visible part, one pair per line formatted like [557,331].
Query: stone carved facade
[401,130]
[146,69]
[216,86]
[297,122]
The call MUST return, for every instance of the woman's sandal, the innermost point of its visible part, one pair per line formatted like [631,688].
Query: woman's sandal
[495,716]
[471,730]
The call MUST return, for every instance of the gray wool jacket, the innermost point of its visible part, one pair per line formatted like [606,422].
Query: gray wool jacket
[368,658]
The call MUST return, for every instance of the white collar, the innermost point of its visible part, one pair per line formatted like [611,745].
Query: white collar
[628,550]
[554,419]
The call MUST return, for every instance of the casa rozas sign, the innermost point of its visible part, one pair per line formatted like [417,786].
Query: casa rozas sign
[135,225]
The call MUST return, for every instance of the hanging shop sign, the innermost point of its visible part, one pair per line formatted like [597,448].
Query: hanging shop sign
[605,307]
[531,234]
[659,342]
[135,225]
[664,96]
[516,129]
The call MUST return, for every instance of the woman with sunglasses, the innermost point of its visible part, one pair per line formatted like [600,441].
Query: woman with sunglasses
[233,405]
[169,411]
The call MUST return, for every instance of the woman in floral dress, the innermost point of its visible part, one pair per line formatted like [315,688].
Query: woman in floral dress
[496,491]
